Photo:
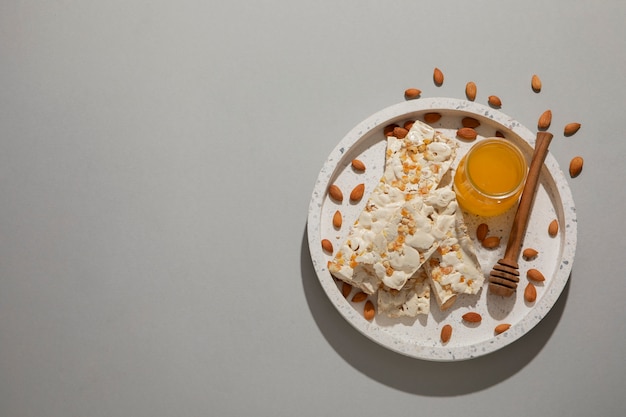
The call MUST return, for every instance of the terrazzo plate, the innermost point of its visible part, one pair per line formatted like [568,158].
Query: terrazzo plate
[420,337]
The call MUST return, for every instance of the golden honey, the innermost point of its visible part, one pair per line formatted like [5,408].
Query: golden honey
[490,177]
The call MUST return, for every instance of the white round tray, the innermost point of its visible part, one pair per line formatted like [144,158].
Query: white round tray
[420,337]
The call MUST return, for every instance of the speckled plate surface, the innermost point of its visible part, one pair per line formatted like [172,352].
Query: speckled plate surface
[420,337]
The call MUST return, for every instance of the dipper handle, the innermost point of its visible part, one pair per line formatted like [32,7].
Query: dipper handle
[505,275]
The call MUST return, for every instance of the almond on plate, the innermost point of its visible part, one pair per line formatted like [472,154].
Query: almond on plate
[358,165]
[337,219]
[446,333]
[327,245]
[501,328]
[470,122]
[529,253]
[369,311]
[357,192]
[535,275]
[530,293]
[553,228]
[481,231]
[491,242]
[472,317]
[432,117]
[335,193]
[467,133]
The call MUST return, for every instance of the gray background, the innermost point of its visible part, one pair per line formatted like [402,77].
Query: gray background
[156,164]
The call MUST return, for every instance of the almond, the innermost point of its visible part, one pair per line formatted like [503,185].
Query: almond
[472,317]
[529,253]
[337,219]
[491,242]
[544,120]
[335,193]
[571,128]
[388,130]
[446,333]
[358,165]
[359,297]
[438,77]
[501,328]
[369,311]
[470,91]
[357,192]
[530,293]
[432,117]
[412,93]
[494,101]
[499,134]
[470,122]
[400,132]
[466,133]
[408,124]
[535,275]
[346,289]
[535,83]
[481,231]
[575,166]
[553,228]
[327,245]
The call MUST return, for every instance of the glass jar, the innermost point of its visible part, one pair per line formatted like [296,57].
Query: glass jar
[490,177]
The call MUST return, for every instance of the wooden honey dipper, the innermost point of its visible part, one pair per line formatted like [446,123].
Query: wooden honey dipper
[504,276]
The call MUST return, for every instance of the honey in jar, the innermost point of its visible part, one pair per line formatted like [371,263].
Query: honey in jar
[490,177]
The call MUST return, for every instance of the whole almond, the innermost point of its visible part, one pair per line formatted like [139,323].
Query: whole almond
[553,228]
[535,275]
[535,83]
[438,77]
[472,317]
[388,130]
[481,231]
[544,120]
[575,166]
[494,101]
[467,133]
[412,93]
[470,91]
[499,134]
[529,253]
[369,311]
[432,117]
[446,333]
[327,245]
[491,242]
[571,128]
[337,219]
[357,192]
[530,293]
[359,296]
[335,193]
[470,122]
[358,165]
[400,132]
[501,328]
[408,124]
[346,289]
